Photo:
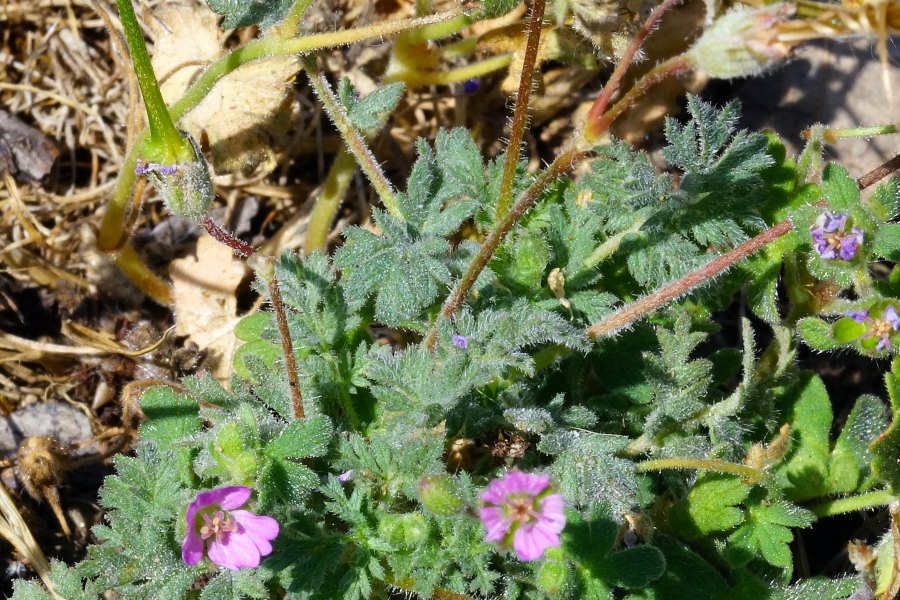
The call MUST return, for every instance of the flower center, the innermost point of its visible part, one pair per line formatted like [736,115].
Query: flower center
[834,239]
[521,508]
[218,525]
[882,328]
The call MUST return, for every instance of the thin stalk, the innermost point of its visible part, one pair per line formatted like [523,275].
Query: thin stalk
[632,312]
[611,244]
[166,143]
[333,190]
[223,237]
[290,25]
[833,134]
[850,504]
[456,75]
[557,168]
[134,268]
[594,129]
[670,68]
[284,332]
[354,140]
[520,114]
[718,466]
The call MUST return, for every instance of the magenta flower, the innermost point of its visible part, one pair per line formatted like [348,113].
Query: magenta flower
[881,328]
[234,539]
[830,237]
[523,509]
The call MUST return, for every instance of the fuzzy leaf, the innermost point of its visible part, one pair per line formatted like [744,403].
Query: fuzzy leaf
[886,447]
[817,334]
[766,533]
[808,411]
[851,458]
[839,187]
[369,112]
[303,439]
[240,13]
[711,506]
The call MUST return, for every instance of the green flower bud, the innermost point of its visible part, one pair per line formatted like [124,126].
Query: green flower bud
[554,574]
[742,43]
[186,187]
[408,530]
[440,494]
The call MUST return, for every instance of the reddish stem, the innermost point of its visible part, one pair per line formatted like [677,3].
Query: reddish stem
[592,132]
[520,115]
[632,312]
[223,237]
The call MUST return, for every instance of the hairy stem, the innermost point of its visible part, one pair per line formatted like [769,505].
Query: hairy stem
[719,466]
[134,268]
[849,504]
[223,237]
[594,128]
[670,68]
[520,114]
[456,75]
[290,25]
[632,312]
[354,140]
[284,332]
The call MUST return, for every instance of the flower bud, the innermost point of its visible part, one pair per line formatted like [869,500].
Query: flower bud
[186,187]
[554,574]
[440,494]
[742,42]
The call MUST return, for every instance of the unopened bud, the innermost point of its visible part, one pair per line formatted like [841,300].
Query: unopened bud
[440,494]
[554,574]
[742,43]
[186,187]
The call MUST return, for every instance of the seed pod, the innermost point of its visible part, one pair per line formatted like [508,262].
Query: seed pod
[186,188]
[41,466]
[440,494]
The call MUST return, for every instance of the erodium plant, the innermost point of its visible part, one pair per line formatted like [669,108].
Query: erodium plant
[549,421]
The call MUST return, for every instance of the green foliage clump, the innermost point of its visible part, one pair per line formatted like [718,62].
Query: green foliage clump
[687,472]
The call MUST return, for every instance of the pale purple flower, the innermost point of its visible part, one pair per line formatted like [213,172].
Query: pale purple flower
[831,239]
[522,508]
[345,476]
[234,539]
[151,167]
[460,341]
[881,328]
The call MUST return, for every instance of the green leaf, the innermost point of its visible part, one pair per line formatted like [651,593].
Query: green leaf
[251,327]
[687,575]
[711,506]
[851,458]
[840,189]
[847,330]
[240,13]
[491,9]
[886,447]
[765,532]
[817,334]
[302,439]
[808,411]
[884,203]
[887,241]
[236,585]
[68,582]
[170,416]
[369,112]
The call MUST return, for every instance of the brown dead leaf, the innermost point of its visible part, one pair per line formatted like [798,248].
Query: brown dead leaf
[204,290]
[248,114]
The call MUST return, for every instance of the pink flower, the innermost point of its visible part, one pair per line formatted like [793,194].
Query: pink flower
[234,539]
[522,508]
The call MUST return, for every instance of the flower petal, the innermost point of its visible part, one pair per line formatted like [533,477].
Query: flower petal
[260,529]
[192,547]
[495,524]
[530,542]
[236,551]
[227,498]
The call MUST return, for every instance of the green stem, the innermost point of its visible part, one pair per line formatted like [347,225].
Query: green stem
[290,25]
[166,143]
[719,466]
[437,31]
[457,75]
[354,140]
[333,190]
[850,504]
[609,247]
[832,135]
